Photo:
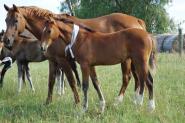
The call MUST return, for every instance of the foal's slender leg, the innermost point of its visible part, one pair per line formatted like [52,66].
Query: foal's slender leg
[142,70]
[96,85]
[136,78]
[60,81]
[19,65]
[126,76]
[85,84]
[28,75]
[23,74]
[68,72]
[51,81]
[74,68]
[149,83]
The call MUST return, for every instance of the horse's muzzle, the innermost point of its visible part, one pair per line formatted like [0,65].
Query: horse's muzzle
[43,47]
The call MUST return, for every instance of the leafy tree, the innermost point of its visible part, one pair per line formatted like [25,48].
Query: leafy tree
[153,12]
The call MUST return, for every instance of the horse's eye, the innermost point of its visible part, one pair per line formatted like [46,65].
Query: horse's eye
[49,31]
[16,21]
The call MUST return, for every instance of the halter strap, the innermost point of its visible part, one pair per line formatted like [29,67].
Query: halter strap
[73,40]
[7,59]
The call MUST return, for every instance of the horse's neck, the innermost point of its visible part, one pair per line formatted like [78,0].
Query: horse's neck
[66,31]
[34,25]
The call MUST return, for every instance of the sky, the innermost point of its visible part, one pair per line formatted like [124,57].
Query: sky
[176,10]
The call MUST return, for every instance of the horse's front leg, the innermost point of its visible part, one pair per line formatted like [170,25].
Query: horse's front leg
[126,76]
[74,68]
[60,81]
[96,85]
[20,72]
[68,72]
[51,81]
[85,83]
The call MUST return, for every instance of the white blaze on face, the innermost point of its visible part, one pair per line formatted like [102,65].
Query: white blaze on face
[43,45]
[44,29]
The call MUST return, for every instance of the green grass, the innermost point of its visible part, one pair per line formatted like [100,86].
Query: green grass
[169,90]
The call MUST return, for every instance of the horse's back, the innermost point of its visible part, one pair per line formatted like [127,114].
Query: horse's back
[111,23]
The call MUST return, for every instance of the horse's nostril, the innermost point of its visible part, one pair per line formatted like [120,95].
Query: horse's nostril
[7,41]
[42,48]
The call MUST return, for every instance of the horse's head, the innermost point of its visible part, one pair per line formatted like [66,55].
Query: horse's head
[1,42]
[15,23]
[50,33]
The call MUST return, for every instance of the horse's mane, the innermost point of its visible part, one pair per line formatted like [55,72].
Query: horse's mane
[36,11]
[69,21]
[44,13]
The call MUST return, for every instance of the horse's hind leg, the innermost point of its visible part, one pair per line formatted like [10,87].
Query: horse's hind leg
[96,85]
[142,70]
[28,75]
[136,89]
[149,83]
[126,76]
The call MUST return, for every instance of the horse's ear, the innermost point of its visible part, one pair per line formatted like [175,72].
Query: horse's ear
[6,7]
[52,22]
[1,33]
[15,8]
[50,19]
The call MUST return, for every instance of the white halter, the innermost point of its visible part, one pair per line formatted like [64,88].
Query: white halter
[8,59]
[73,39]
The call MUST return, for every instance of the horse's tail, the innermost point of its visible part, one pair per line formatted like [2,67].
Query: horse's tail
[153,56]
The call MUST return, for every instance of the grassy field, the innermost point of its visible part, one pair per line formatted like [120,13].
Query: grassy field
[169,90]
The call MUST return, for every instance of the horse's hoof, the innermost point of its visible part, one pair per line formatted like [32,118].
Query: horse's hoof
[79,89]
[139,100]
[48,101]
[118,100]
[102,106]
[59,93]
[33,90]
[84,108]
[151,105]
[18,91]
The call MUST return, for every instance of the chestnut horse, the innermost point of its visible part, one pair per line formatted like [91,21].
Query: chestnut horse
[34,22]
[32,18]
[112,23]
[93,48]
[108,23]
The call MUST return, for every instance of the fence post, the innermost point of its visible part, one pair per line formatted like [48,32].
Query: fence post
[180,38]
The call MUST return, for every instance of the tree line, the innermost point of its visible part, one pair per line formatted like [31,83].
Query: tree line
[153,12]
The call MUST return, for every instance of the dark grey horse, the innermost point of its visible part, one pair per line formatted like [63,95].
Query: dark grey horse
[29,50]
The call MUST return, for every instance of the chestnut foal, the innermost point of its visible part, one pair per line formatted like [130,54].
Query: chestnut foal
[91,48]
